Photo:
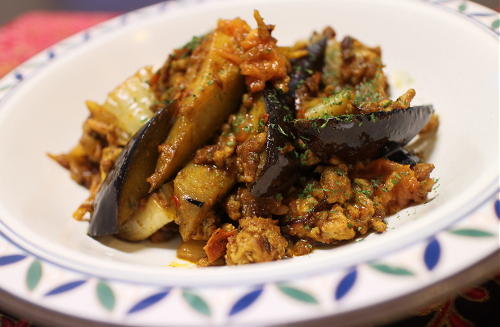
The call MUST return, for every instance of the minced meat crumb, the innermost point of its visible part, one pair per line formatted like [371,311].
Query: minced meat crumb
[257,240]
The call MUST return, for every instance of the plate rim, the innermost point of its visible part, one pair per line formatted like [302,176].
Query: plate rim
[474,274]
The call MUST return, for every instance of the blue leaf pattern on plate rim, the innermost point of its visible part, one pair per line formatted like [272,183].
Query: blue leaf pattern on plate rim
[10,259]
[246,300]
[432,253]
[346,283]
[66,287]
[148,301]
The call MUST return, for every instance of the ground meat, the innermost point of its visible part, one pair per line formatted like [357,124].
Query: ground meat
[249,157]
[320,215]
[397,186]
[299,208]
[219,154]
[403,102]
[308,158]
[360,203]
[243,204]
[206,228]
[257,240]
[332,226]
[378,225]
[301,247]
[273,205]
[262,61]
[324,226]
[360,63]
[361,209]
[82,169]
[258,56]
[336,184]
[170,81]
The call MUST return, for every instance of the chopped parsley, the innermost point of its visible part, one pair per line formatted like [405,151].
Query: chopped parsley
[387,103]
[280,129]
[366,192]
[193,44]
[307,191]
[339,172]
[396,179]
[375,182]
[247,128]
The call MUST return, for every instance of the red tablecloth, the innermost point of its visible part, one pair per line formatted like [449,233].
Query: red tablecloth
[35,31]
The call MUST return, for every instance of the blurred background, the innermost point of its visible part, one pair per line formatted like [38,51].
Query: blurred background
[29,26]
[9,9]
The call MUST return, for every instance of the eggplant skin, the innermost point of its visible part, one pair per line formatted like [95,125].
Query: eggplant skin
[125,185]
[278,171]
[362,136]
[402,156]
[304,67]
[275,175]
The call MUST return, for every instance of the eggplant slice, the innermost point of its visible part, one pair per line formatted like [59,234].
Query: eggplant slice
[120,194]
[362,136]
[402,156]
[213,94]
[304,67]
[278,166]
[278,171]
[197,189]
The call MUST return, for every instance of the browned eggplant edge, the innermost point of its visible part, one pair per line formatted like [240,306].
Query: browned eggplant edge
[363,136]
[278,171]
[275,175]
[141,148]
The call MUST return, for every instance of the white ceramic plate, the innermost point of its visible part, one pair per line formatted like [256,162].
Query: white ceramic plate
[446,50]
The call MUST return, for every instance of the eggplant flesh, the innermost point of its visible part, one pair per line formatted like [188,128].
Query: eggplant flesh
[119,195]
[362,136]
[279,167]
[197,189]
[157,211]
[213,94]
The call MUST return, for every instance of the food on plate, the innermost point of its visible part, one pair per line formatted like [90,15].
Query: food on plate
[252,152]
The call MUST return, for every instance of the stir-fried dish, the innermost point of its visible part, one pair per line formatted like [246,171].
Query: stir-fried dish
[250,151]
